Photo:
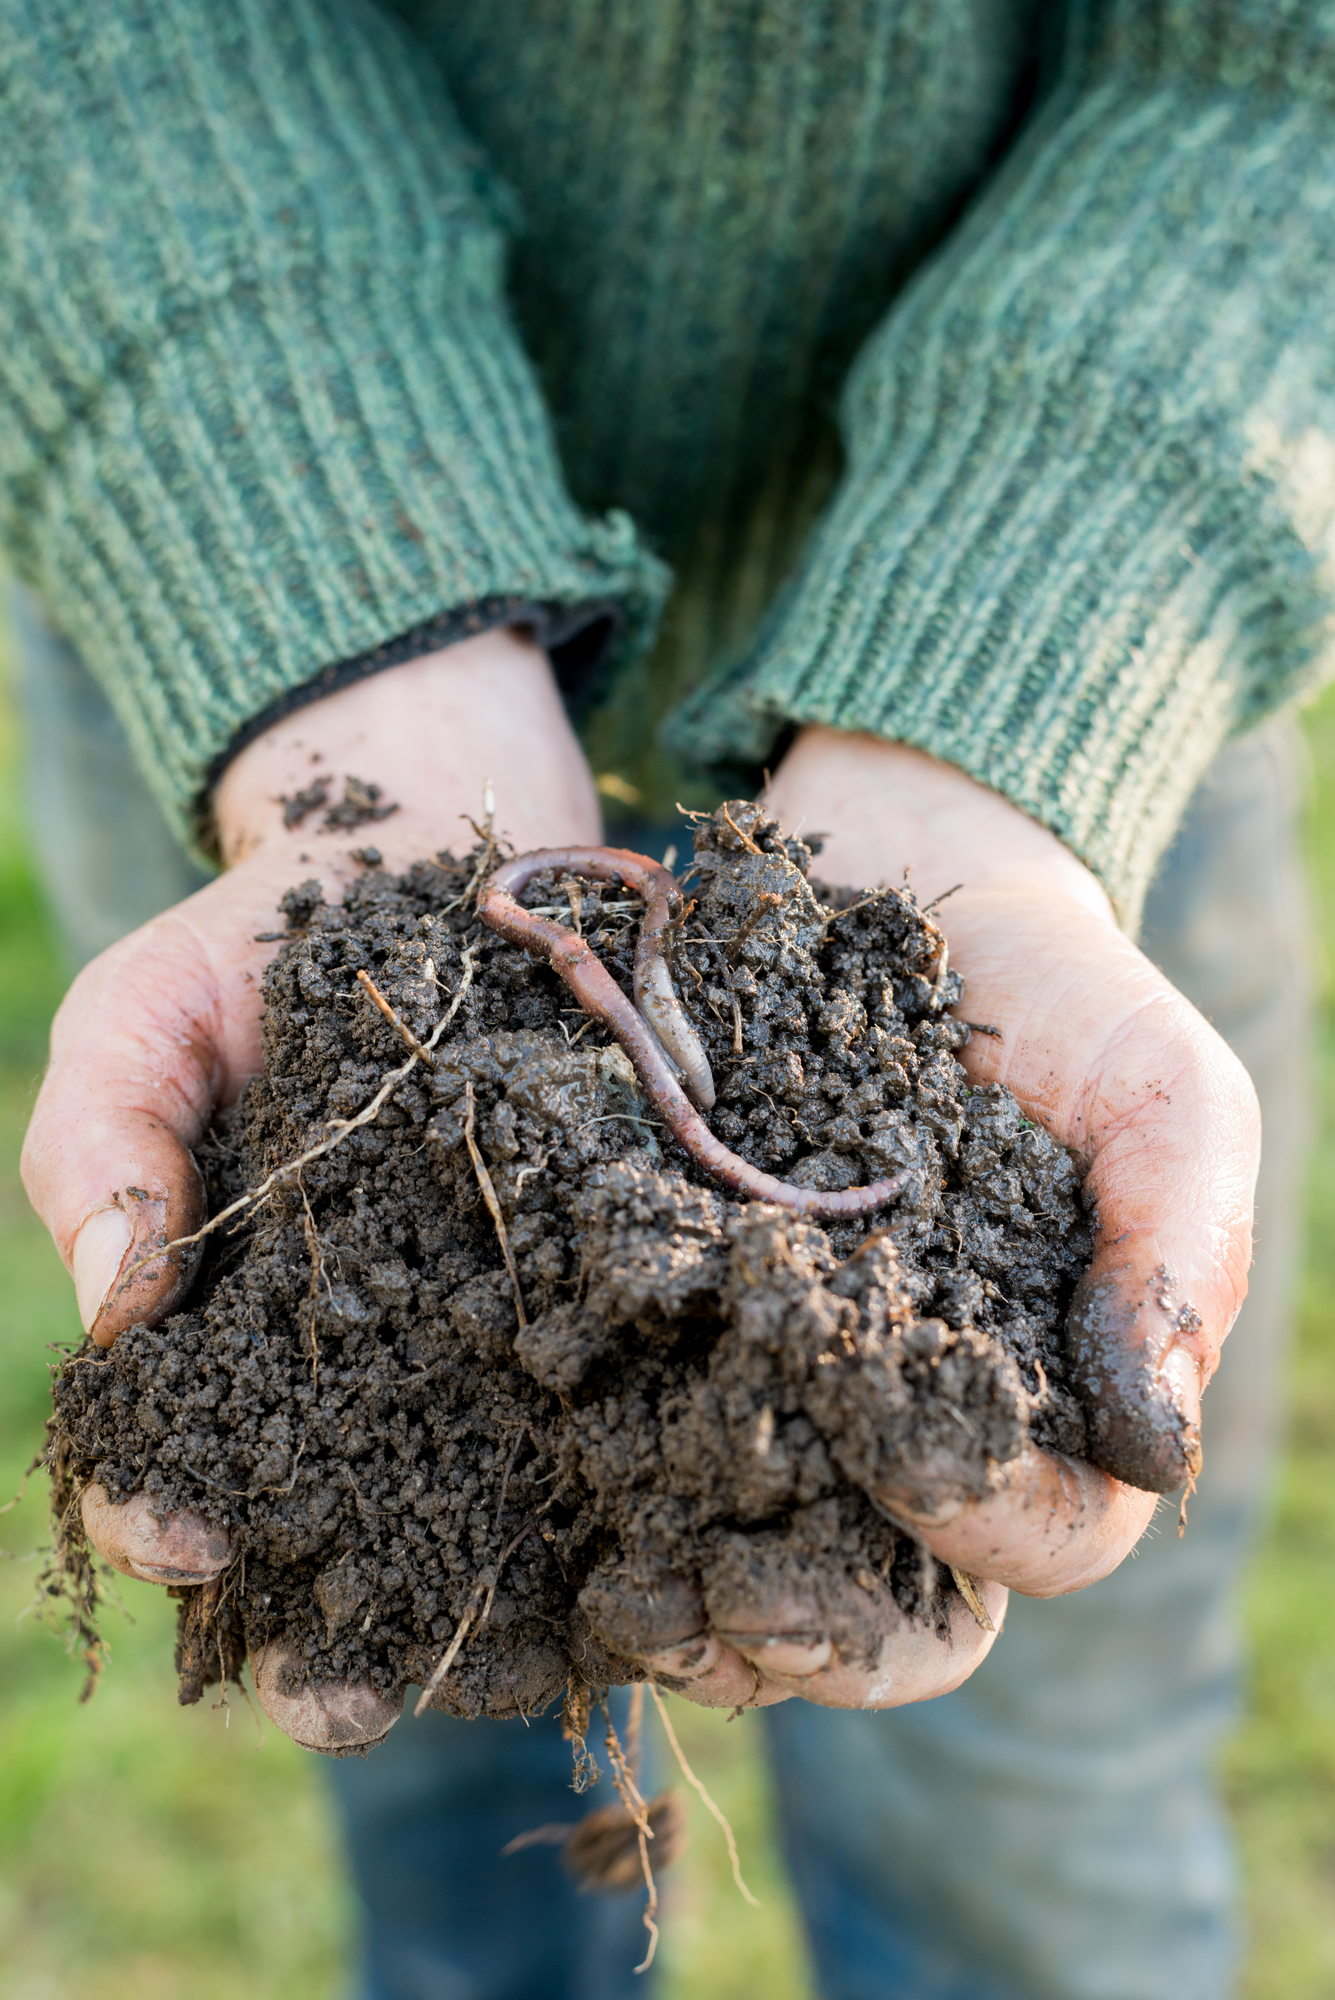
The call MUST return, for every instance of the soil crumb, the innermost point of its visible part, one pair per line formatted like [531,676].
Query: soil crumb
[699,1389]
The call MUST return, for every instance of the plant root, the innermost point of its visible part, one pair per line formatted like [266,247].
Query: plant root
[638,1812]
[697,1786]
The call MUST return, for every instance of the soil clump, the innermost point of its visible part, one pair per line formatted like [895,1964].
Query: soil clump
[689,1388]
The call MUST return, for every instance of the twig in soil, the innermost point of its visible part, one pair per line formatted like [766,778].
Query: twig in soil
[764,903]
[575,896]
[278,1491]
[490,848]
[864,903]
[698,1787]
[745,838]
[419,1049]
[504,1558]
[233,1492]
[484,1587]
[341,1128]
[317,1272]
[448,1658]
[968,1590]
[488,1188]
[505,1480]
[363,1504]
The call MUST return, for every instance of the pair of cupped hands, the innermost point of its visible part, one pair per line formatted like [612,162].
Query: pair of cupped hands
[164,1028]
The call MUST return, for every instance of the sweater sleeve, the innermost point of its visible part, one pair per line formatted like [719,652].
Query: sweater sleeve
[1085,531]
[261,404]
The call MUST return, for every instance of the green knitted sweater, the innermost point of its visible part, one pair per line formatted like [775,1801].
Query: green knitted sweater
[959,370]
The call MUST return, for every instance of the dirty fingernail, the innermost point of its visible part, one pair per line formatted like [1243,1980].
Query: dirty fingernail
[783,1653]
[688,1661]
[1180,1381]
[919,1511]
[99,1251]
[179,1548]
[334,1719]
[1180,1375]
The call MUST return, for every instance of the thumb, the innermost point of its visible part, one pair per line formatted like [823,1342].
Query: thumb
[118,1281]
[107,1164]
[1173,1185]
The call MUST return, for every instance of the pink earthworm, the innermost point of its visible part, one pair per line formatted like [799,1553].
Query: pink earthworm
[657,1056]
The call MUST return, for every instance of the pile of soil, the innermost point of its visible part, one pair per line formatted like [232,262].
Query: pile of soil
[700,1388]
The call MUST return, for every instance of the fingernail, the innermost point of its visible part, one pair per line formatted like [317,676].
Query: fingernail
[1180,1375]
[1180,1378]
[165,1573]
[99,1251]
[783,1653]
[688,1661]
[921,1510]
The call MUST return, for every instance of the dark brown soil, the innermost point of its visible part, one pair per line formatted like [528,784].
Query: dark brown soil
[704,1390]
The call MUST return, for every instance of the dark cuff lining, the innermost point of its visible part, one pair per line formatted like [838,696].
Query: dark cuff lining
[577,639]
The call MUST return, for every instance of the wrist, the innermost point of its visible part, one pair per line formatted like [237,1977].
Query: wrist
[884,809]
[426,735]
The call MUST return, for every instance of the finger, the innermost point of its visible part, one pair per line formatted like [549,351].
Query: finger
[180,1547]
[846,1643]
[118,1280]
[139,1052]
[712,1674]
[1054,1524]
[1170,1129]
[340,1717]
[1173,1191]
[644,1611]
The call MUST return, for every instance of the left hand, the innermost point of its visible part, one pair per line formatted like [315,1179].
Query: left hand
[1103,1051]
[1119,1067]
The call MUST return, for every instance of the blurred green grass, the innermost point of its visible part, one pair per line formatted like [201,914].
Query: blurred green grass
[1280,1768]
[148,1851]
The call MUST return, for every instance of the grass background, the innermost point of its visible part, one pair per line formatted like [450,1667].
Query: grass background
[147,1851]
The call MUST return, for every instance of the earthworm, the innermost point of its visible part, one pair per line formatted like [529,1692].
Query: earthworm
[651,979]
[659,1057]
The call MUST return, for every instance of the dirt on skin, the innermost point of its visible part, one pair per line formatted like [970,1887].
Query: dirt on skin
[701,1389]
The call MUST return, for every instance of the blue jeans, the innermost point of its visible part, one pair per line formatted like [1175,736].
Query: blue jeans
[1050,1831]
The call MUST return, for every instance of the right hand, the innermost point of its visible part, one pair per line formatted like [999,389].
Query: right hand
[163,1029]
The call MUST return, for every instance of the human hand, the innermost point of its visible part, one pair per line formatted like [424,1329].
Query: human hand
[766,1630]
[164,1028]
[1099,1047]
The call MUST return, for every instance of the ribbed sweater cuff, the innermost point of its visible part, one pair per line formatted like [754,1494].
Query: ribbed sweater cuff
[366,474]
[1079,542]
[1052,689]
